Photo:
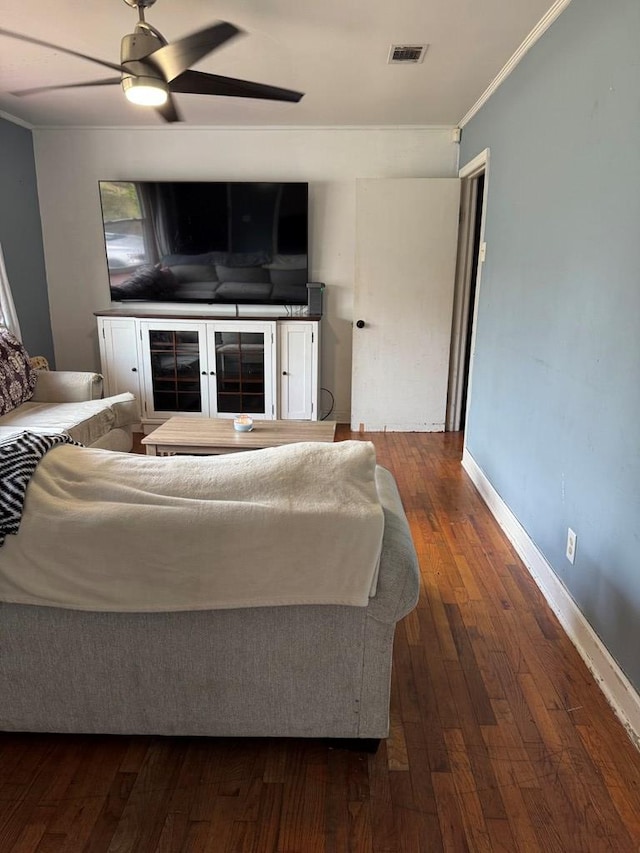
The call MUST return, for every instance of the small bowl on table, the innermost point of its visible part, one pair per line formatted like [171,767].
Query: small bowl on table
[243,423]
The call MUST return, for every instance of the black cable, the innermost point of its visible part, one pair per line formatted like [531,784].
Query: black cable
[333,401]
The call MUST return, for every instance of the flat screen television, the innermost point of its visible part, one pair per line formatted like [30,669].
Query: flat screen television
[206,241]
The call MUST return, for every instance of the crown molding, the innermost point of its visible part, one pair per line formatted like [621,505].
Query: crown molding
[536,33]
[16,120]
[274,128]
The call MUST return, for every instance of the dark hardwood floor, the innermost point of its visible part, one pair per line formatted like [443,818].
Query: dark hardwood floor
[500,738]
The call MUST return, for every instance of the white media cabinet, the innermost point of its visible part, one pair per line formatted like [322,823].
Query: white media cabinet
[203,365]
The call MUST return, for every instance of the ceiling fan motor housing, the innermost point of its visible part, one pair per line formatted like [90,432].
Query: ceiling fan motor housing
[138,45]
[137,4]
[134,49]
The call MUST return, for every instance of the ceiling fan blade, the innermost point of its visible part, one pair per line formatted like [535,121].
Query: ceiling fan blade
[31,40]
[198,83]
[169,111]
[172,59]
[111,82]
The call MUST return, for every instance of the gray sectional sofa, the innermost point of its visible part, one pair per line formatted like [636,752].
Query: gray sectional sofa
[287,671]
[219,277]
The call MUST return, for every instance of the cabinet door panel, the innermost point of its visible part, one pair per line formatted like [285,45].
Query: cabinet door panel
[118,337]
[243,355]
[175,368]
[298,371]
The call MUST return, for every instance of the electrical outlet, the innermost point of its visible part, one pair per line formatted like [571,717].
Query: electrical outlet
[571,545]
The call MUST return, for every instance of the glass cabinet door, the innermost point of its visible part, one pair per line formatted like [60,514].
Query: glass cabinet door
[176,365]
[243,368]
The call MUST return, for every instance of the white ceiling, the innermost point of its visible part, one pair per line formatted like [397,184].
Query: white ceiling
[333,50]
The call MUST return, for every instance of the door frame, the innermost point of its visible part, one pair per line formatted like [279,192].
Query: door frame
[463,287]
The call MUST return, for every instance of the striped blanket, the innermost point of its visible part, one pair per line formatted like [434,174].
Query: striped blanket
[19,456]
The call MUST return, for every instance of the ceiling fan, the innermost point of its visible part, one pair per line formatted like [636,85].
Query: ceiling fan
[152,70]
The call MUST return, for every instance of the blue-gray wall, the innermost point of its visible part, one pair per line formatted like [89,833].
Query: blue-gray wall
[21,238]
[554,419]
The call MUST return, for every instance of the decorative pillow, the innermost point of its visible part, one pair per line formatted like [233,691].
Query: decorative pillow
[243,274]
[188,273]
[17,377]
[242,291]
[244,259]
[196,291]
[146,283]
[39,362]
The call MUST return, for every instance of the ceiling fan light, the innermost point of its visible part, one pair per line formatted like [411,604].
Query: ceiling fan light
[145,91]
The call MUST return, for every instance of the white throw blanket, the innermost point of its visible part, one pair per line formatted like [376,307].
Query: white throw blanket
[300,524]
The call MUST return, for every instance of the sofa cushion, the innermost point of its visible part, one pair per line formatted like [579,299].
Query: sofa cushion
[199,291]
[287,262]
[188,273]
[242,274]
[244,259]
[86,421]
[124,408]
[238,291]
[17,376]
[67,386]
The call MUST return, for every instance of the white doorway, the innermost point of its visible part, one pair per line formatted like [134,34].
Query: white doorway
[471,254]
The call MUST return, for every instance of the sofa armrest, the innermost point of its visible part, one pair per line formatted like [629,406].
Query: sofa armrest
[67,386]
[399,574]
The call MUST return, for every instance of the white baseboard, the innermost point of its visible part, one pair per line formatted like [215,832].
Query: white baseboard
[617,688]
[340,417]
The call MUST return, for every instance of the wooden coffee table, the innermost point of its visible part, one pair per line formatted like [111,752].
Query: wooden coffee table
[217,435]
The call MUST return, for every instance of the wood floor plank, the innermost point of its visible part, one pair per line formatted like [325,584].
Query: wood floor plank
[508,773]
[554,835]
[85,798]
[454,839]
[581,781]
[302,816]
[500,836]
[622,793]
[500,737]
[145,813]
[404,691]
[32,780]
[384,827]
[268,822]
[469,666]
[418,832]
[473,750]
[33,831]
[473,818]
[108,819]
[506,748]
[432,725]
[397,753]
[173,834]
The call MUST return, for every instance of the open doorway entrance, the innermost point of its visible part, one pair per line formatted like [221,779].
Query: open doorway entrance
[470,257]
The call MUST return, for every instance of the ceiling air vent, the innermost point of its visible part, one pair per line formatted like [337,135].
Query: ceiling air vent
[406,53]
